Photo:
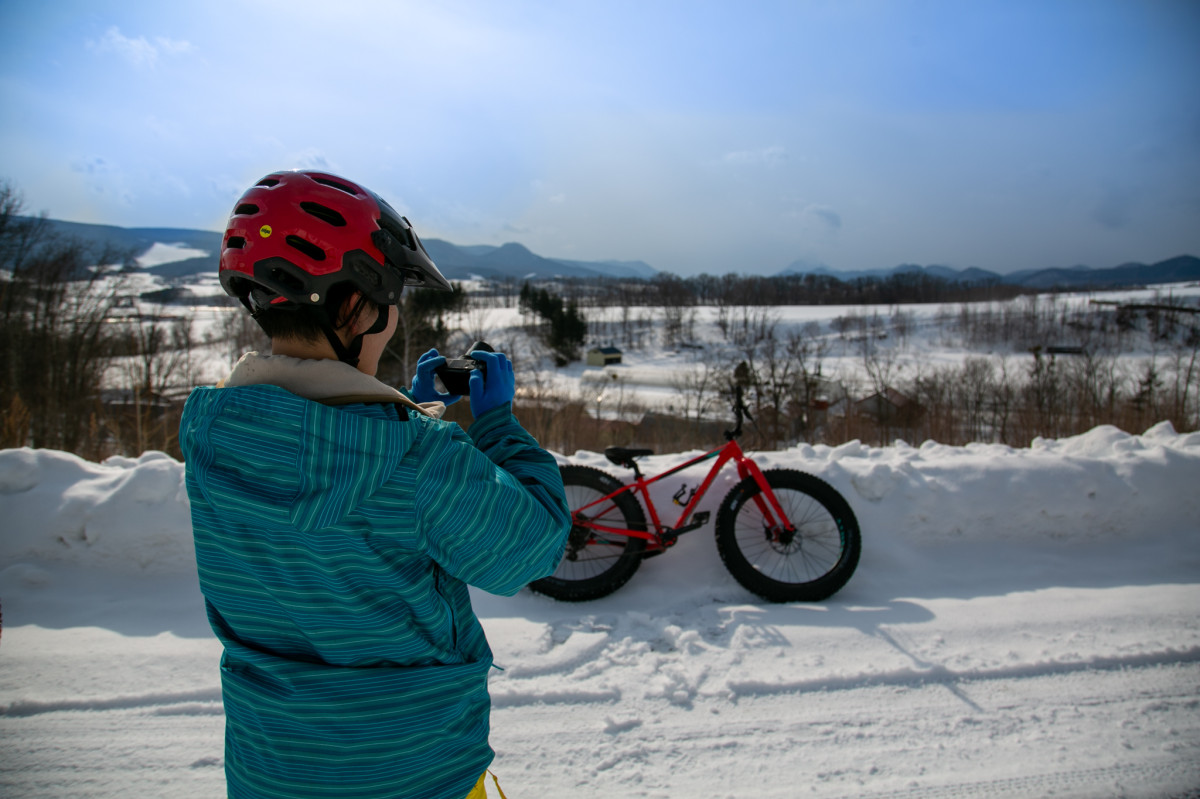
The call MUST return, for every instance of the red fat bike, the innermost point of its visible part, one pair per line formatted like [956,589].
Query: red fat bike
[785,535]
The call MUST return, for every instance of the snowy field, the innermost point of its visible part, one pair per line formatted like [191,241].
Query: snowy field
[1023,623]
[649,373]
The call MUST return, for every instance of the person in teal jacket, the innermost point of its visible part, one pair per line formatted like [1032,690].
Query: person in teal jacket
[338,521]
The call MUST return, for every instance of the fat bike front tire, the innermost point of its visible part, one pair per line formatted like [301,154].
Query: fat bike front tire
[809,565]
[595,563]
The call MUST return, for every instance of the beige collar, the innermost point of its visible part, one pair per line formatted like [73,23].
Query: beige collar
[321,380]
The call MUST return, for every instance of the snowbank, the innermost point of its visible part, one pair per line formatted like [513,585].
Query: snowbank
[130,515]
[124,515]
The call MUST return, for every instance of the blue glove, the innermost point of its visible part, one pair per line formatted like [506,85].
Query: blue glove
[499,386]
[422,385]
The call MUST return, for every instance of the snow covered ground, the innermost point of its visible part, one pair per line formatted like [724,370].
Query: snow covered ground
[1023,623]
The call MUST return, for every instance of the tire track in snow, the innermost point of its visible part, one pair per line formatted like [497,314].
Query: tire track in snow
[198,702]
[942,674]
[1083,783]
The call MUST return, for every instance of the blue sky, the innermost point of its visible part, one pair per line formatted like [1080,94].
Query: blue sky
[697,136]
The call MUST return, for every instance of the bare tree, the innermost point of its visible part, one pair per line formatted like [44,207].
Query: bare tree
[903,323]
[807,349]
[974,389]
[477,323]
[157,357]
[1185,360]
[238,331]
[750,325]
[1003,403]
[56,344]
[699,388]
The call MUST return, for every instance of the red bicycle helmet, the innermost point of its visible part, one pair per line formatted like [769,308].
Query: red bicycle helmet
[294,235]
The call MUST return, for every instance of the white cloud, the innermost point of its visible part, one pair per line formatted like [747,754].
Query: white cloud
[173,46]
[139,52]
[766,156]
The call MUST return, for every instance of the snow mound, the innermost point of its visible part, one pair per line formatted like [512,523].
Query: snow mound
[124,515]
[132,515]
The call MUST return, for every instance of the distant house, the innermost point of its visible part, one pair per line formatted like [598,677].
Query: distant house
[889,407]
[603,356]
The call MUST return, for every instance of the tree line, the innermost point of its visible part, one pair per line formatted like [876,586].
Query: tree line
[668,291]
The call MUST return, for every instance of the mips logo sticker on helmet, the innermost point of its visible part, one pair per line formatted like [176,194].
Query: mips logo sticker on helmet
[264,231]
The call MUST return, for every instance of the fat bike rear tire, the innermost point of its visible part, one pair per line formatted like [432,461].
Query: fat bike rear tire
[595,563]
[809,565]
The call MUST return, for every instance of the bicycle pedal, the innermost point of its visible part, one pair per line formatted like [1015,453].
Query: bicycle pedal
[701,518]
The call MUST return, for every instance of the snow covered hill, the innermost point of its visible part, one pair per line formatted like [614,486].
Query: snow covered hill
[1023,623]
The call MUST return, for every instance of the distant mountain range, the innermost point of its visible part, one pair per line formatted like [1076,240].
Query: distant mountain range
[508,261]
[1173,270]
[514,260]
[517,262]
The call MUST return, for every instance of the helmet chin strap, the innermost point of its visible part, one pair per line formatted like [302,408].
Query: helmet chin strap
[349,353]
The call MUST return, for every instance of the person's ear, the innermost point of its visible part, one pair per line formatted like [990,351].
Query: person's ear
[355,322]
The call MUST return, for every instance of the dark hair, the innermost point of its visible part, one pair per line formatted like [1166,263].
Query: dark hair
[305,323]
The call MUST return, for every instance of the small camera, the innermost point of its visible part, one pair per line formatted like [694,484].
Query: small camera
[455,374]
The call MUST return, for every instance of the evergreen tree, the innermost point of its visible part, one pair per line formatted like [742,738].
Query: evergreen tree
[563,328]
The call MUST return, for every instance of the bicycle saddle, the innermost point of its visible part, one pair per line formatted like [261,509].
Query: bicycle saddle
[623,456]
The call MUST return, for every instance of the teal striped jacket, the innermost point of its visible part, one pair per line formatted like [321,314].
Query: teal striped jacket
[334,547]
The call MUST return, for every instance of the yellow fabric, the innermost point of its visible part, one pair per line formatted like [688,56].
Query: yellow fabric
[480,789]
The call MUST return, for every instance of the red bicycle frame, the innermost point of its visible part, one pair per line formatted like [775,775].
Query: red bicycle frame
[663,537]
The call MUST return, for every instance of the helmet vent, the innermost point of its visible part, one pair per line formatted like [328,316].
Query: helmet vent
[324,213]
[237,242]
[307,247]
[246,208]
[403,235]
[268,182]
[334,184]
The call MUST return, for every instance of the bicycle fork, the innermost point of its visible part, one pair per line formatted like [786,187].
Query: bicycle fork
[778,526]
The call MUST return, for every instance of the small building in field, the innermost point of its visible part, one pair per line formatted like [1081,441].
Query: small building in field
[890,408]
[603,356]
